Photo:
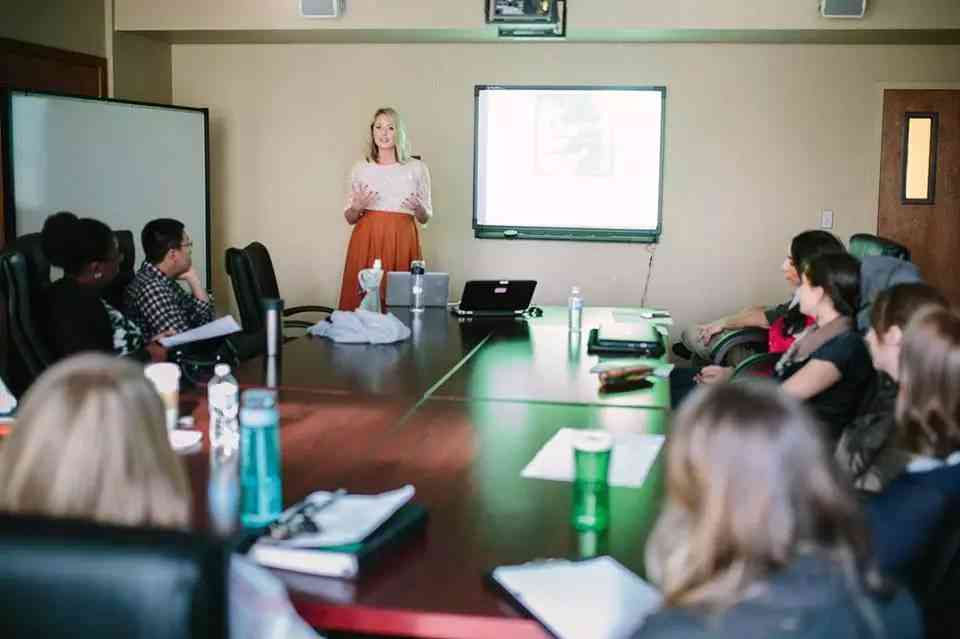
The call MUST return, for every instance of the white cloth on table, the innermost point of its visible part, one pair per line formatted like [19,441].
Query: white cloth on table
[361,327]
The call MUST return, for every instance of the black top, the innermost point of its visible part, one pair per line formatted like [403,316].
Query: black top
[808,600]
[77,320]
[837,405]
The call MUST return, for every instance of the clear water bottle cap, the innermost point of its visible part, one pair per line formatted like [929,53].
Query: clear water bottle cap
[221,370]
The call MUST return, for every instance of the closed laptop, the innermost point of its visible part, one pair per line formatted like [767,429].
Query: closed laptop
[436,288]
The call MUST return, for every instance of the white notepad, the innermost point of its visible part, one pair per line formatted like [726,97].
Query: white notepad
[632,456]
[592,599]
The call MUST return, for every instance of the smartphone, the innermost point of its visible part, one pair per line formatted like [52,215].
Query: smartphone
[623,384]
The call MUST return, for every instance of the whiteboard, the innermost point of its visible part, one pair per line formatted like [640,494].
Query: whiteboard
[122,163]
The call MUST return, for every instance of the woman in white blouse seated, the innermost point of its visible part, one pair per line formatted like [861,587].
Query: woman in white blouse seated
[91,443]
[389,194]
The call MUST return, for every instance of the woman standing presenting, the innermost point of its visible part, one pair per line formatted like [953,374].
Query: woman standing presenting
[389,194]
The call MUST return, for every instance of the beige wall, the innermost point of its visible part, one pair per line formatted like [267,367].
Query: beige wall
[583,15]
[141,69]
[758,140]
[75,25]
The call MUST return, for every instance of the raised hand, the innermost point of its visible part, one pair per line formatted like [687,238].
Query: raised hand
[362,197]
[415,204]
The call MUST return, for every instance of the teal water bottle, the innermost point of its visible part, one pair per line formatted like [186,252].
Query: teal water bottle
[262,494]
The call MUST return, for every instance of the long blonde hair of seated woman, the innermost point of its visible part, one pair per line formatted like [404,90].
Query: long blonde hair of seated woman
[90,443]
[750,484]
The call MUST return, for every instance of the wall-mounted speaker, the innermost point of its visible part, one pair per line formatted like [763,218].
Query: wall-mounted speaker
[321,8]
[843,8]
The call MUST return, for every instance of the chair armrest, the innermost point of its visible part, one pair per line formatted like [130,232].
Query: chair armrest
[297,324]
[722,344]
[759,365]
[293,310]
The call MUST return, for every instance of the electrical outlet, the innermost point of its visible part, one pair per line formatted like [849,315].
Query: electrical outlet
[826,219]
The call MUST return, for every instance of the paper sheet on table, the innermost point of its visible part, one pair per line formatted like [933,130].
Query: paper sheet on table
[349,519]
[635,315]
[217,328]
[595,599]
[632,456]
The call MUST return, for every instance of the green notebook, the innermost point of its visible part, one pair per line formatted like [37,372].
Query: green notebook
[344,561]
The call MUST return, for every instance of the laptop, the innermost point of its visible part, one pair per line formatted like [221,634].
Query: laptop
[436,288]
[495,298]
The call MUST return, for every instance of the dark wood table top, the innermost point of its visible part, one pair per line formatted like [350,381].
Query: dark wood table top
[438,343]
[457,411]
[464,458]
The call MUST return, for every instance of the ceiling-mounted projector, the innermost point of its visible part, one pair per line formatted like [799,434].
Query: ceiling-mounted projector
[527,18]
[843,8]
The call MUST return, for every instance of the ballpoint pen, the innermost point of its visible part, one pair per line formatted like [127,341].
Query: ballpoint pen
[301,518]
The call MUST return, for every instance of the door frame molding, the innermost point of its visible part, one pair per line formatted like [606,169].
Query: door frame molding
[877,143]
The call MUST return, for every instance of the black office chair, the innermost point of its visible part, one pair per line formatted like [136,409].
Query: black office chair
[22,283]
[863,244]
[64,578]
[253,279]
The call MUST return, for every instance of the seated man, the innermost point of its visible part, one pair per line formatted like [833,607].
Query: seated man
[154,299]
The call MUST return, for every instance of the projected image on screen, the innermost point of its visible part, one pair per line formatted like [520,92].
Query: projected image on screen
[568,162]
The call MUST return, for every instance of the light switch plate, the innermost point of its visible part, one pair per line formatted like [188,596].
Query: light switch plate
[826,219]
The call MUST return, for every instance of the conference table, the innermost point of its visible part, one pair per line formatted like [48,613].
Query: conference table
[457,411]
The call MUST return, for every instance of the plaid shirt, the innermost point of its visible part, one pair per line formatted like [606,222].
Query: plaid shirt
[158,303]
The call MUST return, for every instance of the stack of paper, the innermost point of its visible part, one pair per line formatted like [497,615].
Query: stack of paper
[593,599]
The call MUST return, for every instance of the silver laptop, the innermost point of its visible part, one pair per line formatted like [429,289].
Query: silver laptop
[436,288]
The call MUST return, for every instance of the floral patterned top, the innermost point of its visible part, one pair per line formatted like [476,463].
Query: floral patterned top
[127,337]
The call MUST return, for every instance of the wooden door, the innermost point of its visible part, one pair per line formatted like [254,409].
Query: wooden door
[37,68]
[930,226]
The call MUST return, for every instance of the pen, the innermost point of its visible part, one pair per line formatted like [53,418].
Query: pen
[301,519]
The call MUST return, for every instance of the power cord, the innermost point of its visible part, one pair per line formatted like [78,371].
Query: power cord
[652,250]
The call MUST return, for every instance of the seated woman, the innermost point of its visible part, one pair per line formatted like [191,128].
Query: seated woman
[867,450]
[91,442]
[784,321]
[759,536]
[906,515]
[829,364]
[76,317]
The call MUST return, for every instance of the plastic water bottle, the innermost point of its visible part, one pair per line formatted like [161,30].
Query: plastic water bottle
[417,270]
[260,484]
[370,279]
[223,399]
[223,491]
[575,309]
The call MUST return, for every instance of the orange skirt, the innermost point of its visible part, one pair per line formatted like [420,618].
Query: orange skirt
[393,237]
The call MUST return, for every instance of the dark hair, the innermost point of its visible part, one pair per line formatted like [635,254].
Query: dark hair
[897,305]
[72,243]
[803,248]
[838,274]
[159,236]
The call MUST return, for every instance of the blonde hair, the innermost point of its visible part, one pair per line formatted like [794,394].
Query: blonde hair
[90,443]
[750,483]
[402,143]
[928,406]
